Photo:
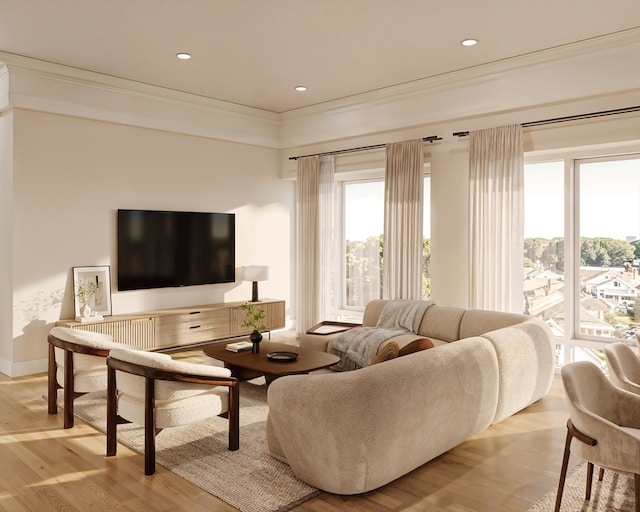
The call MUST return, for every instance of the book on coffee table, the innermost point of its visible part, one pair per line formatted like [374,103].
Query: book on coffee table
[239,346]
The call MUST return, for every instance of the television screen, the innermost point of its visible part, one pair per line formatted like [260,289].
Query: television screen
[158,249]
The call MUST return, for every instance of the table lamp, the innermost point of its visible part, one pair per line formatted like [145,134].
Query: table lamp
[255,273]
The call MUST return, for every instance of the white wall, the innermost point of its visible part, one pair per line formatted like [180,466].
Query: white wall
[6,216]
[72,174]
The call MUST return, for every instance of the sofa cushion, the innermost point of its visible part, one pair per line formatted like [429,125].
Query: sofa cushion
[442,323]
[372,312]
[416,346]
[477,322]
[389,351]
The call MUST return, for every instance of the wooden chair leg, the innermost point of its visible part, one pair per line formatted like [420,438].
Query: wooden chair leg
[587,492]
[149,427]
[563,471]
[112,444]
[601,474]
[52,383]
[68,389]
[234,417]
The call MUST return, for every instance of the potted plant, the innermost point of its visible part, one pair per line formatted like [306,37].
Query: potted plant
[253,318]
[85,293]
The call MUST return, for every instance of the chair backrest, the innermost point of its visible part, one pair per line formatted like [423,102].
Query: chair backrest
[132,366]
[624,366]
[83,342]
[588,392]
[182,392]
[603,412]
[87,352]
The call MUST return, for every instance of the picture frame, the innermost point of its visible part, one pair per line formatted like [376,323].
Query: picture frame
[92,287]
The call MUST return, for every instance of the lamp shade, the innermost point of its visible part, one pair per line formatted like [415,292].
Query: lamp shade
[255,273]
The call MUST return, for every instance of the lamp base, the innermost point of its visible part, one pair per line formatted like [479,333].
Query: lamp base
[254,293]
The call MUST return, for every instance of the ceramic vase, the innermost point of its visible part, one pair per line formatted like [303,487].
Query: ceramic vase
[255,338]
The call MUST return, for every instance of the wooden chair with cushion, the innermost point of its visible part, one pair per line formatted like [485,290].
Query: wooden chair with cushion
[153,390]
[605,420]
[624,367]
[77,364]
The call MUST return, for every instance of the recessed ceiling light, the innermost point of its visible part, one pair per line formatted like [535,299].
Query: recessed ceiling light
[469,42]
[183,56]
[301,88]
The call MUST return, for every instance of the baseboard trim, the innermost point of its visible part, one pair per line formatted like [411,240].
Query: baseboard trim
[23,368]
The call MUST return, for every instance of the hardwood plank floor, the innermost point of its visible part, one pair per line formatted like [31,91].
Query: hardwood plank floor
[505,468]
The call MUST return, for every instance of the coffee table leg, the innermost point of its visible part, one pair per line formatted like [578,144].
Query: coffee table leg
[242,373]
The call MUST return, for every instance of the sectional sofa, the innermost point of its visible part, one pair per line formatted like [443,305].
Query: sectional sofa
[354,431]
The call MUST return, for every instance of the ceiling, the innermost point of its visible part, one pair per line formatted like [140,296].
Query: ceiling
[254,52]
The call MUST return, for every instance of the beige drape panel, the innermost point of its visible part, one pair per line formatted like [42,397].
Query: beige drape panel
[314,240]
[496,218]
[402,255]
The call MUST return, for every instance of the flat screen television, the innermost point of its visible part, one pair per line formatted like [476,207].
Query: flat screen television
[158,249]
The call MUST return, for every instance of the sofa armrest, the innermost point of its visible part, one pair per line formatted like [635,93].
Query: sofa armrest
[320,336]
[526,362]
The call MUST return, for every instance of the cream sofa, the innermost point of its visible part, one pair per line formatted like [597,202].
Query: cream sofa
[350,432]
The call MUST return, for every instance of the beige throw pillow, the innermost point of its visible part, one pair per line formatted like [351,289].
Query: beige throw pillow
[389,351]
[416,346]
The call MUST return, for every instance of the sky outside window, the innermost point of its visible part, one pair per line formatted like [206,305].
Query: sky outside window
[364,209]
[609,199]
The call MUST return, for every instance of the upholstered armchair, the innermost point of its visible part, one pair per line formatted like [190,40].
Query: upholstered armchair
[153,390]
[624,366]
[605,420]
[77,364]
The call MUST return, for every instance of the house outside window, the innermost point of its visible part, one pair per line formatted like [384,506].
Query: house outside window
[582,251]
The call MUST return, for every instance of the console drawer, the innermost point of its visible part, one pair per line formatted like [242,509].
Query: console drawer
[192,327]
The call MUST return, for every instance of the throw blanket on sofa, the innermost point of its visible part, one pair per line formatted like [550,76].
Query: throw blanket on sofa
[358,346]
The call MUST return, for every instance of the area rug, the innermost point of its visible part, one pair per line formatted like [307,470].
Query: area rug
[614,494]
[248,479]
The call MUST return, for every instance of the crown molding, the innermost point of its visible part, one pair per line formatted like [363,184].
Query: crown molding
[590,68]
[593,68]
[611,43]
[45,86]
[4,87]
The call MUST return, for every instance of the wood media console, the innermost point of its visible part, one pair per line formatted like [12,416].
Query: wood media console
[170,328]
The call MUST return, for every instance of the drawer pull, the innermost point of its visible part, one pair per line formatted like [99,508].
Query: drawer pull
[194,312]
[195,327]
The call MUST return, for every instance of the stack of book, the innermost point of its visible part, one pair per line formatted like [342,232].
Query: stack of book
[239,346]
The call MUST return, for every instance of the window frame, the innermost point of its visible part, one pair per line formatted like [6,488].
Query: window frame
[571,158]
[344,312]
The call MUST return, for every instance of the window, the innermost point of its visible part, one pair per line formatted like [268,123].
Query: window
[582,250]
[363,227]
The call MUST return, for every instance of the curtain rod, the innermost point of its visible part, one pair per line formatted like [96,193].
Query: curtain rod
[590,115]
[431,138]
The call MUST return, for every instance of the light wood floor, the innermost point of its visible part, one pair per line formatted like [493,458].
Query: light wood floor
[506,468]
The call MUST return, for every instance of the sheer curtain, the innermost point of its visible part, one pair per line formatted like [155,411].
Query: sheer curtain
[314,240]
[402,254]
[496,218]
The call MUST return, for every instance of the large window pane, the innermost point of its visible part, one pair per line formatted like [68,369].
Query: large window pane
[609,223]
[363,234]
[363,228]
[587,290]
[544,289]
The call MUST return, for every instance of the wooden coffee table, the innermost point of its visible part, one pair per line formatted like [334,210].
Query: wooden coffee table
[246,365]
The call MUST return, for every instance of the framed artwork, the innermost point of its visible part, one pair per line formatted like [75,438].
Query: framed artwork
[92,291]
